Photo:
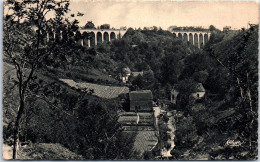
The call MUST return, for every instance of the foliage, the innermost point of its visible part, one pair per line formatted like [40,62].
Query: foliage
[156,51]
[229,109]
[63,115]
[105,26]
[239,56]
[186,132]
[89,25]
[43,151]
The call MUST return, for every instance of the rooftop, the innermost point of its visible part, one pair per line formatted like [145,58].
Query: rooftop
[140,95]
[199,88]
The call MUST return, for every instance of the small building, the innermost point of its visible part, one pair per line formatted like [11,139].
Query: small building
[199,91]
[141,101]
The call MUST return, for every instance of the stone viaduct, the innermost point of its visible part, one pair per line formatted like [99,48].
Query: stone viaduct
[88,37]
[93,37]
[99,36]
[197,38]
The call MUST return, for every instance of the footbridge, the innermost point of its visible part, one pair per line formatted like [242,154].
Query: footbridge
[197,38]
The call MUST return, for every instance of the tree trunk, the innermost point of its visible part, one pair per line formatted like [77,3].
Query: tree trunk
[241,89]
[251,110]
[16,127]
[249,94]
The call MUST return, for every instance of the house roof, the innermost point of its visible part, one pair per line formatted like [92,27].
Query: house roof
[128,119]
[126,70]
[199,88]
[135,74]
[146,118]
[127,114]
[140,95]
[165,101]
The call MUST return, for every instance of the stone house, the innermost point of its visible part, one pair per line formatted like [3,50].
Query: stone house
[199,91]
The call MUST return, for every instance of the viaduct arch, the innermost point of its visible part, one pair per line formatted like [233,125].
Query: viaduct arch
[99,36]
[198,39]
[86,37]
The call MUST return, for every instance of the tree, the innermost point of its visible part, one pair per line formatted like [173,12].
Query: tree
[105,26]
[104,138]
[185,87]
[24,33]
[171,69]
[212,28]
[237,56]
[186,132]
[89,25]
[138,82]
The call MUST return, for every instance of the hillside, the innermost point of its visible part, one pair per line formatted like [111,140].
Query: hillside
[58,113]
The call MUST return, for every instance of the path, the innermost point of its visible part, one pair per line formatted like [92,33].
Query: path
[157,112]
[172,135]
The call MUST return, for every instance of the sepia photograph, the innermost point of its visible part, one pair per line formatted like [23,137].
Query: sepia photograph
[130,80]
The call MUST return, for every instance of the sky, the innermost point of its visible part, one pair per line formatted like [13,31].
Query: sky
[165,13]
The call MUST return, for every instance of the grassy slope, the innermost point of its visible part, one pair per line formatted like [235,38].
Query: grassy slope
[47,151]
[99,69]
[41,151]
[89,75]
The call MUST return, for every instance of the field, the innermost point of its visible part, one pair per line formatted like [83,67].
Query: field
[99,90]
